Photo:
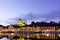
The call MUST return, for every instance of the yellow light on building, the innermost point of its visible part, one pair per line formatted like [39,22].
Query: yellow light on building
[27,36]
[5,30]
[21,39]
[59,35]
[21,23]
[47,30]
[47,35]
[12,33]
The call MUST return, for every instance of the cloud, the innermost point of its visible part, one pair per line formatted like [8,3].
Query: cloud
[29,16]
[51,16]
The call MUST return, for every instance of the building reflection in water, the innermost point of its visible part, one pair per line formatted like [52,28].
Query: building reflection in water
[23,36]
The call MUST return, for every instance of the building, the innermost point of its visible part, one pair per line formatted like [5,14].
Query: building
[21,23]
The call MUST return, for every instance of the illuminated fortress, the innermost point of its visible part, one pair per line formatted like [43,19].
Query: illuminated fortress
[46,30]
[22,26]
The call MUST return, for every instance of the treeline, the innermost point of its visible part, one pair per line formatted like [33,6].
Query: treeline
[51,23]
[35,24]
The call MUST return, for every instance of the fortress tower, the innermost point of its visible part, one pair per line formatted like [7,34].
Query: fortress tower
[21,23]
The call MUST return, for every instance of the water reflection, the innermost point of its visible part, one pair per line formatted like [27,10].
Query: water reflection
[27,36]
[5,38]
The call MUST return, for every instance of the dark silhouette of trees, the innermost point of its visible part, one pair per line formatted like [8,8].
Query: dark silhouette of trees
[33,24]
[51,23]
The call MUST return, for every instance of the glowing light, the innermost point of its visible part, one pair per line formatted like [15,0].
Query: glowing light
[47,30]
[47,34]
[21,39]
[59,35]
[27,36]
[12,33]
[6,30]
[21,23]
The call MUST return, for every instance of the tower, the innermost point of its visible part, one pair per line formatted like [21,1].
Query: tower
[21,23]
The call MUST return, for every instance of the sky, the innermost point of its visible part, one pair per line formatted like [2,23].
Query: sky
[29,10]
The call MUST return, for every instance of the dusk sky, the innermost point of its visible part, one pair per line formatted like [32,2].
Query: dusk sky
[29,10]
